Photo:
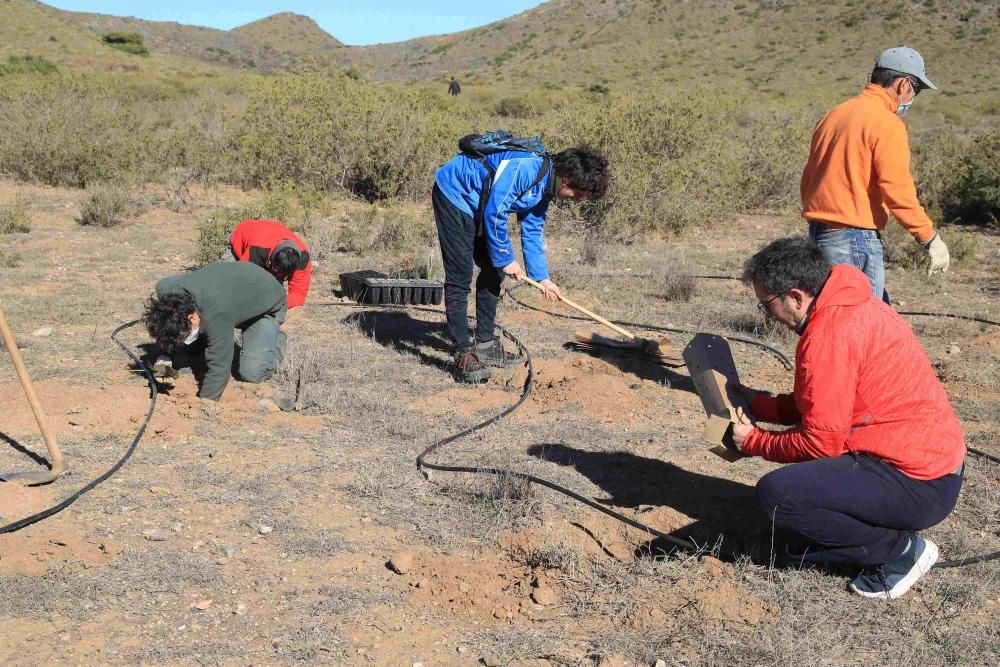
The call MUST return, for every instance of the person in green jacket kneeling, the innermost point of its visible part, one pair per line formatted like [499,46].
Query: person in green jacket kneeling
[209,304]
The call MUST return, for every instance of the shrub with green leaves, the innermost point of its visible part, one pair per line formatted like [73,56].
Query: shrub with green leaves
[26,65]
[973,195]
[109,205]
[390,228]
[682,160]
[900,250]
[9,259]
[378,142]
[129,42]
[14,218]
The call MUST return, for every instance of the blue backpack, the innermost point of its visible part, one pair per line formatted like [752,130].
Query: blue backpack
[478,146]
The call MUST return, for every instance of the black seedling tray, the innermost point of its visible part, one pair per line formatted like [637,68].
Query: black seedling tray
[374,288]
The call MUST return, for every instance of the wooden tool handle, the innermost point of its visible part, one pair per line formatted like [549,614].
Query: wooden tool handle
[55,456]
[594,316]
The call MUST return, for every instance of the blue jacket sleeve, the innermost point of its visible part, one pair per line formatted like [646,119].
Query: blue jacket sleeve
[511,180]
[533,241]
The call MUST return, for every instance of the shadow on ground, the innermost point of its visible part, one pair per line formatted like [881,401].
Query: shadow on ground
[15,445]
[403,333]
[721,508]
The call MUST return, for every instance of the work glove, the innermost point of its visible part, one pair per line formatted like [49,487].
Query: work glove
[940,257]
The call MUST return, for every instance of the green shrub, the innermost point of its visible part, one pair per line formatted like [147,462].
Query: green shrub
[129,42]
[378,142]
[26,65]
[973,193]
[9,259]
[389,229]
[516,107]
[678,160]
[14,218]
[900,250]
[109,205]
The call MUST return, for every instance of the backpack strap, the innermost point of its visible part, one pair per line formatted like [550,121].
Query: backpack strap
[488,186]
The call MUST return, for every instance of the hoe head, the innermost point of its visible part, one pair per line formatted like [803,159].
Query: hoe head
[36,478]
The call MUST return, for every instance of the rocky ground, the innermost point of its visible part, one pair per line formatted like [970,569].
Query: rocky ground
[241,534]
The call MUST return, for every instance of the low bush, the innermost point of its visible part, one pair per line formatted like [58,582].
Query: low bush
[26,65]
[959,180]
[110,205]
[14,218]
[390,228]
[900,250]
[378,142]
[9,259]
[129,42]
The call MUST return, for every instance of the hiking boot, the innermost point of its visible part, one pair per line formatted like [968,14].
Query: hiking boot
[492,354]
[892,580]
[469,367]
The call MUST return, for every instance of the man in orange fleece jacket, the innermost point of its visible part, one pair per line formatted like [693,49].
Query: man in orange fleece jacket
[876,450]
[859,170]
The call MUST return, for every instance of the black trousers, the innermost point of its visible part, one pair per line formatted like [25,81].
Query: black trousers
[854,509]
[461,250]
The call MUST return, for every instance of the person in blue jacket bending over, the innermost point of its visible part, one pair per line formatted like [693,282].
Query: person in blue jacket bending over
[515,182]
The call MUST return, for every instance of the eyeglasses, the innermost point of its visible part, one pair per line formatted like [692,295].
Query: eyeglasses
[915,85]
[762,306]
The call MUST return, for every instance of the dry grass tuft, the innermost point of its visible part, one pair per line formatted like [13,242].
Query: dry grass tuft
[110,205]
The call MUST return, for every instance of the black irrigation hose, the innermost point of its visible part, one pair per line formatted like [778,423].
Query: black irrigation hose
[969,318]
[525,392]
[422,463]
[55,509]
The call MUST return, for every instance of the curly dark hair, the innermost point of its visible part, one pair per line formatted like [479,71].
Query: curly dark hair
[584,168]
[166,318]
[791,262]
[285,261]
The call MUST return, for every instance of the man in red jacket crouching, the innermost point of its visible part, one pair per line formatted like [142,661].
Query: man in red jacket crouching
[272,246]
[877,451]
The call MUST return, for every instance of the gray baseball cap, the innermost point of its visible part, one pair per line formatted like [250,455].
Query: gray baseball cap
[906,60]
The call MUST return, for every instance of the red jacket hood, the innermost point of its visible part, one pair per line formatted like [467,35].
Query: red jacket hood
[845,286]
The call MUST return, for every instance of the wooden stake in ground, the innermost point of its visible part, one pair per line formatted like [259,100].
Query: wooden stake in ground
[713,371]
[57,466]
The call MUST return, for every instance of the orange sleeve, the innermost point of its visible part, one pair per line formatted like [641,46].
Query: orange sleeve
[891,159]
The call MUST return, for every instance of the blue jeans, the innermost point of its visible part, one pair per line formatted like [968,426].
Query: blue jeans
[859,247]
[854,509]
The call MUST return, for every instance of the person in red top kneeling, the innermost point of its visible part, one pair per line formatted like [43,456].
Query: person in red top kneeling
[271,245]
[876,449]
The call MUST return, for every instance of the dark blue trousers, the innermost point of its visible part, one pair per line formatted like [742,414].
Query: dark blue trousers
[854,509]
[461,250]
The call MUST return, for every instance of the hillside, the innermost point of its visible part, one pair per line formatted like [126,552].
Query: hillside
[774,46]
[288,33]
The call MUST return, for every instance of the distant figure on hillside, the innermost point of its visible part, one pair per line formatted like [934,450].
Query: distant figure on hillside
[472,198]
[197,312]
[875,452]
[859,170]
[272,246]
[454,88]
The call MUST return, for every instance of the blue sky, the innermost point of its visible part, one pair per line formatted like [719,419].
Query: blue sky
[350,21]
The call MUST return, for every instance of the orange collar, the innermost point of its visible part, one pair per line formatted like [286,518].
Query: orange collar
[877,91]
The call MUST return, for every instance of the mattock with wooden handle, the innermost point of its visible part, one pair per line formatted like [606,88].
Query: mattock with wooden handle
[57,467]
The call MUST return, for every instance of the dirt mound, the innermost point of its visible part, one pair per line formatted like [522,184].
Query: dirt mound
[598,389]
[486,586]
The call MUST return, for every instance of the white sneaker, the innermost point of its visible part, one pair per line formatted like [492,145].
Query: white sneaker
[892,580]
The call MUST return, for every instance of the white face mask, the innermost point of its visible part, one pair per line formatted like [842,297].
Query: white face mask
[192,337]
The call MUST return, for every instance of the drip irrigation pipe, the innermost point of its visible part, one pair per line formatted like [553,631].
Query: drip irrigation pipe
[423,464]
[55,509]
